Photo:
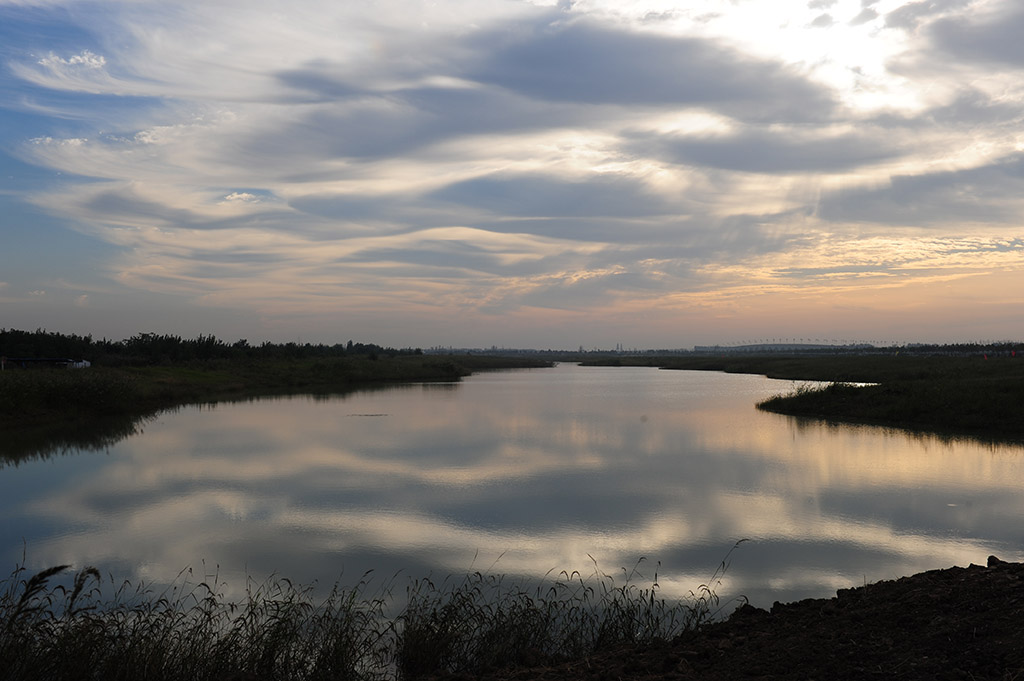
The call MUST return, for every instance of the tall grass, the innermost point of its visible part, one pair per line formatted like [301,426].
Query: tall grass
[65,391]
[984,408]
[46,411]
[972,394]
[482,622]
[50,394]
[51,630]
[54,625]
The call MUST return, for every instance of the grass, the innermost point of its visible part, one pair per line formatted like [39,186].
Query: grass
[57,631]
[54,626]
[975,396]
[45,394]
[982,409]
[44,411]
[55,390]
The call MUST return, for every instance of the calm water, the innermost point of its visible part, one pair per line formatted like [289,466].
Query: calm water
[521,473]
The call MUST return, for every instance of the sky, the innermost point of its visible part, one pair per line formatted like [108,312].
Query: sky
[516,173]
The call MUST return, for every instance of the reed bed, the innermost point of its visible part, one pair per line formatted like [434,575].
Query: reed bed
[65,391]
[964,392]
[57,625]
[983,408]
[48,395]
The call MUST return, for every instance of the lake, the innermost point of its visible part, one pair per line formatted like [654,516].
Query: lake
[525,473]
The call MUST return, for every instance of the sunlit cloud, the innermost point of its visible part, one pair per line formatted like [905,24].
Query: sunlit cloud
[478,160]
[86,60]
[243,197]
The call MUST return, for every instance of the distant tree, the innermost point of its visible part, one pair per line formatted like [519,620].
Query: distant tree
[155,348]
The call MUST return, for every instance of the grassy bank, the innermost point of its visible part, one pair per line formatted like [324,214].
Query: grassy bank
[979,396]
[87,627]
[46,411]
[32,396]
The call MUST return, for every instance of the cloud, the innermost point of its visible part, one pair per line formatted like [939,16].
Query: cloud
[444,160]
[866,15]
[585,63]
[68,142]
[83,72]
[993,38]
[242,197]
[971,107]
[822,21]
[85,60]
[986,194]
[912,14]
[572,291]
[778,151]
[892,257]
[403,121]
[543,196]
[123,205]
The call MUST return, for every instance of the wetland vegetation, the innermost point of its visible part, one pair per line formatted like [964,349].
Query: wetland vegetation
[45,409]
[976,392]
[969,390]
[57,625]
[86,626]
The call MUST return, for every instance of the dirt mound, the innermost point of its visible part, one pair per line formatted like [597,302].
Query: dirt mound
[957,623]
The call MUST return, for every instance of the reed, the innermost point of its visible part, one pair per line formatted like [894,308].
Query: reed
[970,394]
[982,408]
[65,391]
[48,396]
[55,625]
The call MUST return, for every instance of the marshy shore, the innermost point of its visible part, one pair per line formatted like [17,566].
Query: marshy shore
[56,625]
[978,396]
[959,622]
[35,395]
[953,623]
[46,410]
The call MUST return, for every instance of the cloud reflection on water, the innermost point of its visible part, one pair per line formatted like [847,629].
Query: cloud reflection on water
[525,473]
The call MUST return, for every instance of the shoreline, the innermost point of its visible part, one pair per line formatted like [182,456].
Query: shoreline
[950,623]
[974,397]
[47,411]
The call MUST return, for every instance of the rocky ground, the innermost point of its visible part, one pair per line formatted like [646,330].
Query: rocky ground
[957,623]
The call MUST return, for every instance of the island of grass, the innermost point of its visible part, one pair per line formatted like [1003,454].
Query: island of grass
[977,394]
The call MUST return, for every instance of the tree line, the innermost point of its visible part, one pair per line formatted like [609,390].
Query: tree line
[155,348]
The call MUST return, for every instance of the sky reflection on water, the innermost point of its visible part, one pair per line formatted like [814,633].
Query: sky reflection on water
[522,473]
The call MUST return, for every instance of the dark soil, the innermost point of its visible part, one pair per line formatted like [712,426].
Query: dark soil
[957,623]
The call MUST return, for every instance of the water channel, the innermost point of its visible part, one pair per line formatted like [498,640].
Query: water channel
[526,472]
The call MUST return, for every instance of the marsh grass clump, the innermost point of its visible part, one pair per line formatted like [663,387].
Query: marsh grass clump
[54,626]
[956,392]
[65,391]
[984,407]
[53,629]
[482,622]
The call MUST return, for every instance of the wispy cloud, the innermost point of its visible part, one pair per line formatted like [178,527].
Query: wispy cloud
[484,161]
